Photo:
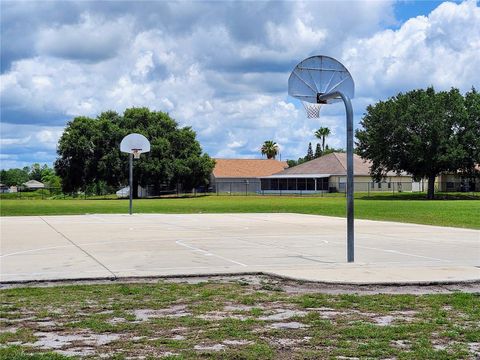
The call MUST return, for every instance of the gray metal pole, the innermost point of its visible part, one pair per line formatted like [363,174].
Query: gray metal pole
[350,213]
[131,182]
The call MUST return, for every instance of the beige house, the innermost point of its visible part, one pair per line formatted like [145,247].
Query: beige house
[328,173]
[33,185]
[242,175]
[457,182]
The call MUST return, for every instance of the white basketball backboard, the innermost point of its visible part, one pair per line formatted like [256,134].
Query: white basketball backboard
[135,144]
[318,75]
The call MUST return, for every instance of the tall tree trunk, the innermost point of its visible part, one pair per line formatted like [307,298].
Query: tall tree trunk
[323,143]
[431,187]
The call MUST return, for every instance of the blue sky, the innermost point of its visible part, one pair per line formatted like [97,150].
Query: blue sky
[220,67]
[407,9]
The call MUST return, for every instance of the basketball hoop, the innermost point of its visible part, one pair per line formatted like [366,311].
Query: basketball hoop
[323,80]
[136,153]
[134,144]
[312,109]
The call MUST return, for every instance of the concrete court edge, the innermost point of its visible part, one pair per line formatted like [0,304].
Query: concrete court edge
[253,273]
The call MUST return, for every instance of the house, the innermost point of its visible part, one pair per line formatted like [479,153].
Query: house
[33,185]
[458,182]
[242,175]
[125,192]
[4,188]
[328,173]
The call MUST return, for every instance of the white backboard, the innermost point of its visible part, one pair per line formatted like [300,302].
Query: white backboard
[319,75]
[133,142]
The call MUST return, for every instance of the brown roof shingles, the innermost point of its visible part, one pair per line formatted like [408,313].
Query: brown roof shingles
[248,168]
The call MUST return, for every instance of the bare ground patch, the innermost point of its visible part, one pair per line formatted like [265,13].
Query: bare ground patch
[239,317]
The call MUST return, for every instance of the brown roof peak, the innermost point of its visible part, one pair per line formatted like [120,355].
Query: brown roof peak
[332,164]
[247,168]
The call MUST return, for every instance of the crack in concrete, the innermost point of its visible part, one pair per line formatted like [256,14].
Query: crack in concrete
[78,247]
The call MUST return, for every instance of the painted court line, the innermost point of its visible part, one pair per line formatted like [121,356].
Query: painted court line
[207,253]
[401,253]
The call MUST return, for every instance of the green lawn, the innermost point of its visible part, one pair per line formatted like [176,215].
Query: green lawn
[261,319]
[403,208]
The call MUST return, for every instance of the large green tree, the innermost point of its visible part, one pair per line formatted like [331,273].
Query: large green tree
[14,177]
[89,152]
[422,132]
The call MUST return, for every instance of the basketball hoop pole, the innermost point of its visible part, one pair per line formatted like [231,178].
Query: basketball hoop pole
[350,214]
[130,157]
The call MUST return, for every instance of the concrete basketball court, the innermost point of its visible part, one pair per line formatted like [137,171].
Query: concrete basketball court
[296,246]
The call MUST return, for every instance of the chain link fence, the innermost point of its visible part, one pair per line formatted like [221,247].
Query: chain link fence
[254,188]
[309,187]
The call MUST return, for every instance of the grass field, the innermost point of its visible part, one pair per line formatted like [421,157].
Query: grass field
[404,208]
[234,320]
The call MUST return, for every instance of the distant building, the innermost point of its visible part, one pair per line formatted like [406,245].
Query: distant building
[33,184]
[4,188]
[242,175]
[458,182]
[328,173]
[125,192]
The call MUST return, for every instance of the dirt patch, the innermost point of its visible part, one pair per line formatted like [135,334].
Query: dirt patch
[287,325]
[474,348]
[51,340]
[172,312]
[216,347]
[237,342]
[237,307]
[287,342]
[11,329]
[80,351]
[274,319]
[283,314]
[220,315]
[384,320]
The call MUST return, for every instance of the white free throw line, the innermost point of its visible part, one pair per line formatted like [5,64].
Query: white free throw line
[207,253]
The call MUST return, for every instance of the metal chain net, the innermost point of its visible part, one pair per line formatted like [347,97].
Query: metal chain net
[312,109]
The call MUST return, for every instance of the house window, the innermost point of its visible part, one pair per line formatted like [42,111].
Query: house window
[389,185]
[379,185]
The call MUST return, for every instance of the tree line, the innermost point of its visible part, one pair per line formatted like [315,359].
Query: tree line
[41,173]
[424,133]
[88,152]
[421,132]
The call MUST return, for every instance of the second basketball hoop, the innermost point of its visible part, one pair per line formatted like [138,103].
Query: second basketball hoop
[133,144]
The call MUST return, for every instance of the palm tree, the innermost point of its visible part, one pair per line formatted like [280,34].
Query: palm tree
[270,148]
[322,133]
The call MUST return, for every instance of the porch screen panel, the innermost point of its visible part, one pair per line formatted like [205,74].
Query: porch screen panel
[301,184]
[310,184]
